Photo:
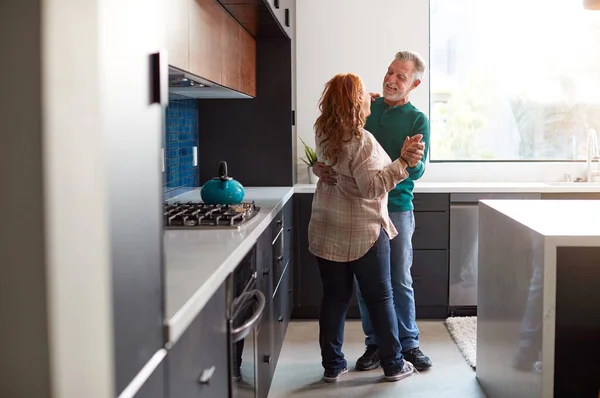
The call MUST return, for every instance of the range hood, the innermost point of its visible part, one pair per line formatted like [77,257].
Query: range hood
[186,85]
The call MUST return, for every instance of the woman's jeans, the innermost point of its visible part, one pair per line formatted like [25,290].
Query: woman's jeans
[401,258]
[372,272]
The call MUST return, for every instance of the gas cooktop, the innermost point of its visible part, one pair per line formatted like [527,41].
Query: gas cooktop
[200,215]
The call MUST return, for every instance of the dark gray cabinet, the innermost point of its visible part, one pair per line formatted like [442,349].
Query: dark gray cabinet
[275,281]
[198,363]
[155,385]
[429,270]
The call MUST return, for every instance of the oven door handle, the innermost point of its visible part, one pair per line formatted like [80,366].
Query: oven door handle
[241,332]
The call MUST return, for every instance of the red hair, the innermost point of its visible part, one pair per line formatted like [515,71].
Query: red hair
[342,113]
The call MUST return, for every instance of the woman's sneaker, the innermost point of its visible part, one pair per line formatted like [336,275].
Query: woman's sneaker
[332,376]
[406,370]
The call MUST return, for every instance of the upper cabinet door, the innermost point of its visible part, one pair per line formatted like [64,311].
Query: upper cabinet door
[248,63]
[206,19]
[231,53]
[288,11]
[178,35]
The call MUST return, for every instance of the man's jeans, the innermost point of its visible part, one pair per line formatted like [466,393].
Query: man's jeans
[372,272]
[404,298]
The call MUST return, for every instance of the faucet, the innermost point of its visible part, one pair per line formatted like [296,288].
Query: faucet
[592,154]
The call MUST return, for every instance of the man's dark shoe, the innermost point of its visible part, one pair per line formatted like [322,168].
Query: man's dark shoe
[332,376]
[417,358]
[369,360]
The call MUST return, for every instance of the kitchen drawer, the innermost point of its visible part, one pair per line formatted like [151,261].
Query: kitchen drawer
[276,224]
[278,258]
[282,314]
[266,360]
[431,230]
[202,352]
[154,386]
[430,277]
[288,225]
[264,265]
[431,202]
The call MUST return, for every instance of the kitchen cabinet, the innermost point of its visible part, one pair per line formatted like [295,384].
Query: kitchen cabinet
[284,11]
[205,40]
[248,63]
[275,282]
[431,248]
[177,20]
[155,385]
[206,23]
[198,363]
[429,270]
[231,53]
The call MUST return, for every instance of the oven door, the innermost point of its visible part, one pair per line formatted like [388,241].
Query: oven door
[247,311]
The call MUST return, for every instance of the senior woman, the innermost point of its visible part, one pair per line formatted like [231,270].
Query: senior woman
[350,229]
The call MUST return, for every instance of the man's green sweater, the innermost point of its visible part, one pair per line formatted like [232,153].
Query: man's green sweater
[391,126]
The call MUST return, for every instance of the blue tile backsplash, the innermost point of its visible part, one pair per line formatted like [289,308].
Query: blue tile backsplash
[181,136]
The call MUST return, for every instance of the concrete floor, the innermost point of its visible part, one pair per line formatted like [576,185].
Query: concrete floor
[299,372]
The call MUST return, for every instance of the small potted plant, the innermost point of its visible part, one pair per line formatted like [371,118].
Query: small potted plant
[310,160]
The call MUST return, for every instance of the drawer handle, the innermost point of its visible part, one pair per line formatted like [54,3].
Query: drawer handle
[279,222]
[267,358]
[206,375]
[266,272]
[280,319]
[280,259]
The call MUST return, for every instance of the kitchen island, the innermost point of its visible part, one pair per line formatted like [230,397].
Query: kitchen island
[538,303]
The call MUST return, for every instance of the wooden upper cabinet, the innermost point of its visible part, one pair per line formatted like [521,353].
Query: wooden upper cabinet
[206,20]
[248,63]
[178,37]
[231,53]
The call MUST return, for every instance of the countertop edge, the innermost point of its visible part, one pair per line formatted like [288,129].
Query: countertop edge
[454,187]
[181,320]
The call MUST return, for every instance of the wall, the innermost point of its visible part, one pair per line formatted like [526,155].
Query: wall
[362,37]
[181,136]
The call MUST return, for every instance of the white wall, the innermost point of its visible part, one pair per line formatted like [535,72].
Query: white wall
[361,36]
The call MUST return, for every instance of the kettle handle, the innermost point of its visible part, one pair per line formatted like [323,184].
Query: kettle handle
[223,170]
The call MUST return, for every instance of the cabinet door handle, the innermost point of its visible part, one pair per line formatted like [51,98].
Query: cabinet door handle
[280,319]
[279,222]
[267,358]
[266,272]
[276,3]
[159,79]
[206,375]
[280,259]
[287,17]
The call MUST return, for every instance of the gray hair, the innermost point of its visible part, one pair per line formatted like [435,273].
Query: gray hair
[417,59]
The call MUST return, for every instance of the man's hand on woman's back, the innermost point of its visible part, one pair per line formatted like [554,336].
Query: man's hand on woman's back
[325,173]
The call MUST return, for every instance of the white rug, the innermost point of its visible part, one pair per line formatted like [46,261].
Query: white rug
[464,332]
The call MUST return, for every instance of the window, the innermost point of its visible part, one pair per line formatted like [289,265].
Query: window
[513,79]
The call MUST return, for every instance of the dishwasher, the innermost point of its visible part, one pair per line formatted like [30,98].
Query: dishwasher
[464,229]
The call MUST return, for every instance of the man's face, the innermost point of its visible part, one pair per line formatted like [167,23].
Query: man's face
[398,81]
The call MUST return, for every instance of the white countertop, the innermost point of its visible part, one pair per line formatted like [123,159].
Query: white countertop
[489,187]
[198,261]
[553,218]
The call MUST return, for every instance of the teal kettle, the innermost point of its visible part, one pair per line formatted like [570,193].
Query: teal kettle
[222,190]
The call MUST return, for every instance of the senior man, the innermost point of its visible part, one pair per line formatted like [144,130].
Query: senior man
[393,119]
